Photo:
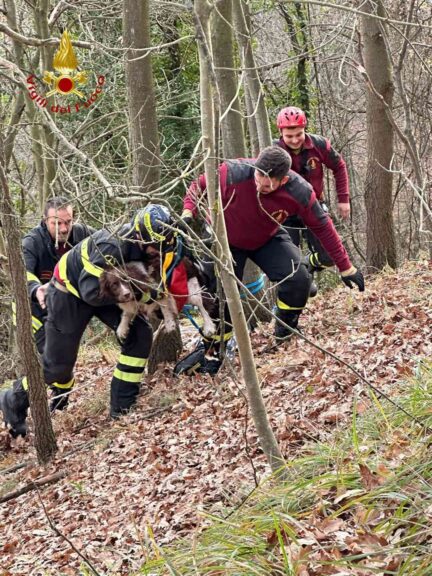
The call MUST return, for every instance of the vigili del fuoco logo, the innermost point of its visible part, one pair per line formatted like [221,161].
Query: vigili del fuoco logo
[68,82]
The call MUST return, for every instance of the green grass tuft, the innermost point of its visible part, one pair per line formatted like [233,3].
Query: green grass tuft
[359,506]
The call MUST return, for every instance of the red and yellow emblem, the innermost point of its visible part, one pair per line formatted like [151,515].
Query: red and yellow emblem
[280,215]
[312,163]
[65,63]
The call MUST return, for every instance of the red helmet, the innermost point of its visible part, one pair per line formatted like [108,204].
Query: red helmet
[290,117]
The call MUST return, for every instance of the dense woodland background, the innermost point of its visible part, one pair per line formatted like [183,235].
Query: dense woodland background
[184,81]
[173,88]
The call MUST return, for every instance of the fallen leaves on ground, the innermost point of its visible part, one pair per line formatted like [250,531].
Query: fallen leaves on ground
[190,446]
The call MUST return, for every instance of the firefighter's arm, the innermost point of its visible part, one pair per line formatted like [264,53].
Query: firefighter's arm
[89,290]
[334,161]
[99,257]
[322,226]
[191,199]
[35,289]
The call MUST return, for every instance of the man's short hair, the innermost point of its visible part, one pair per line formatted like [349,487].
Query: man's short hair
[56,202]
[273,161]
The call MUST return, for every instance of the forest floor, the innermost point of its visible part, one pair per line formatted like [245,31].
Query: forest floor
[190,446]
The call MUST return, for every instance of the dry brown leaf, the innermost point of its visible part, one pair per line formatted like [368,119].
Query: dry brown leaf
[330,525]
[369,479]
[366,543]
[110,356]
[200,444]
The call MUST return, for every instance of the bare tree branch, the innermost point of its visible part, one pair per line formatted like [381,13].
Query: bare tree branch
[37,41]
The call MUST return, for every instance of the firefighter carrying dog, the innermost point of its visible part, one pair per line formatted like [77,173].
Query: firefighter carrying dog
[73,299]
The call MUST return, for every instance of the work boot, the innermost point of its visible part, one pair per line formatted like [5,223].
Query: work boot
[199,361]
[14,404]
[283,333]
[313,286]
[211,365]
[116,413]
[59,398]
[190,364]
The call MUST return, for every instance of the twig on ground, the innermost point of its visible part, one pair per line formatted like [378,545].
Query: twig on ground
[35,484]
[17,467]
[58,533]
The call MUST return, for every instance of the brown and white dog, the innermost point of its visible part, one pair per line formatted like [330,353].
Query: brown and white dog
[127,284]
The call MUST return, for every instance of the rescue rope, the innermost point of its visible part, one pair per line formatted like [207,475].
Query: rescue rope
[186,312]
[252,287]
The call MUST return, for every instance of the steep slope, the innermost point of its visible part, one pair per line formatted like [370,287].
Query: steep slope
[191,445]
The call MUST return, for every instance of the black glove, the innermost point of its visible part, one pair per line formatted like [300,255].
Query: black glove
[184,222]
[355,278]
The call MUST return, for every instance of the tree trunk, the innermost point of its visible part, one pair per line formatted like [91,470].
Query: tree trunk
[233,142]
[298,90]
[23,96]
[144,137]
[381,245]
[256,94]
[45,442]
[210,108]
[251,124]
[46,136]
[167,347]
[252,275]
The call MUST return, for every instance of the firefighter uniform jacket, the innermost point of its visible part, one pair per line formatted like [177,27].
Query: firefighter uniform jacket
[316,152]
[80,268]
[76,300]
[41,257]
[253,219]
[40,254]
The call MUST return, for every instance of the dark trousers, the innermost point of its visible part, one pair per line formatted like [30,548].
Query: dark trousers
[297,229]
[67,319]
[39,315]
[280,260]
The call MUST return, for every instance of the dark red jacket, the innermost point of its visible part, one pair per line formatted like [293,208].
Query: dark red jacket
[316,152]
[252,219]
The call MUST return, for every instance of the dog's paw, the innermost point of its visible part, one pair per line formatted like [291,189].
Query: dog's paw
[122,333]
[170,326]
[209,329]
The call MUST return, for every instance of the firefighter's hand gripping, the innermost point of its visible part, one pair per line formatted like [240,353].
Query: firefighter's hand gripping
[353,277]
[40,295]
[185,222]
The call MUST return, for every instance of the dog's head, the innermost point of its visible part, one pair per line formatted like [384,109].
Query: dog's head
[128,282]
[114,285]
